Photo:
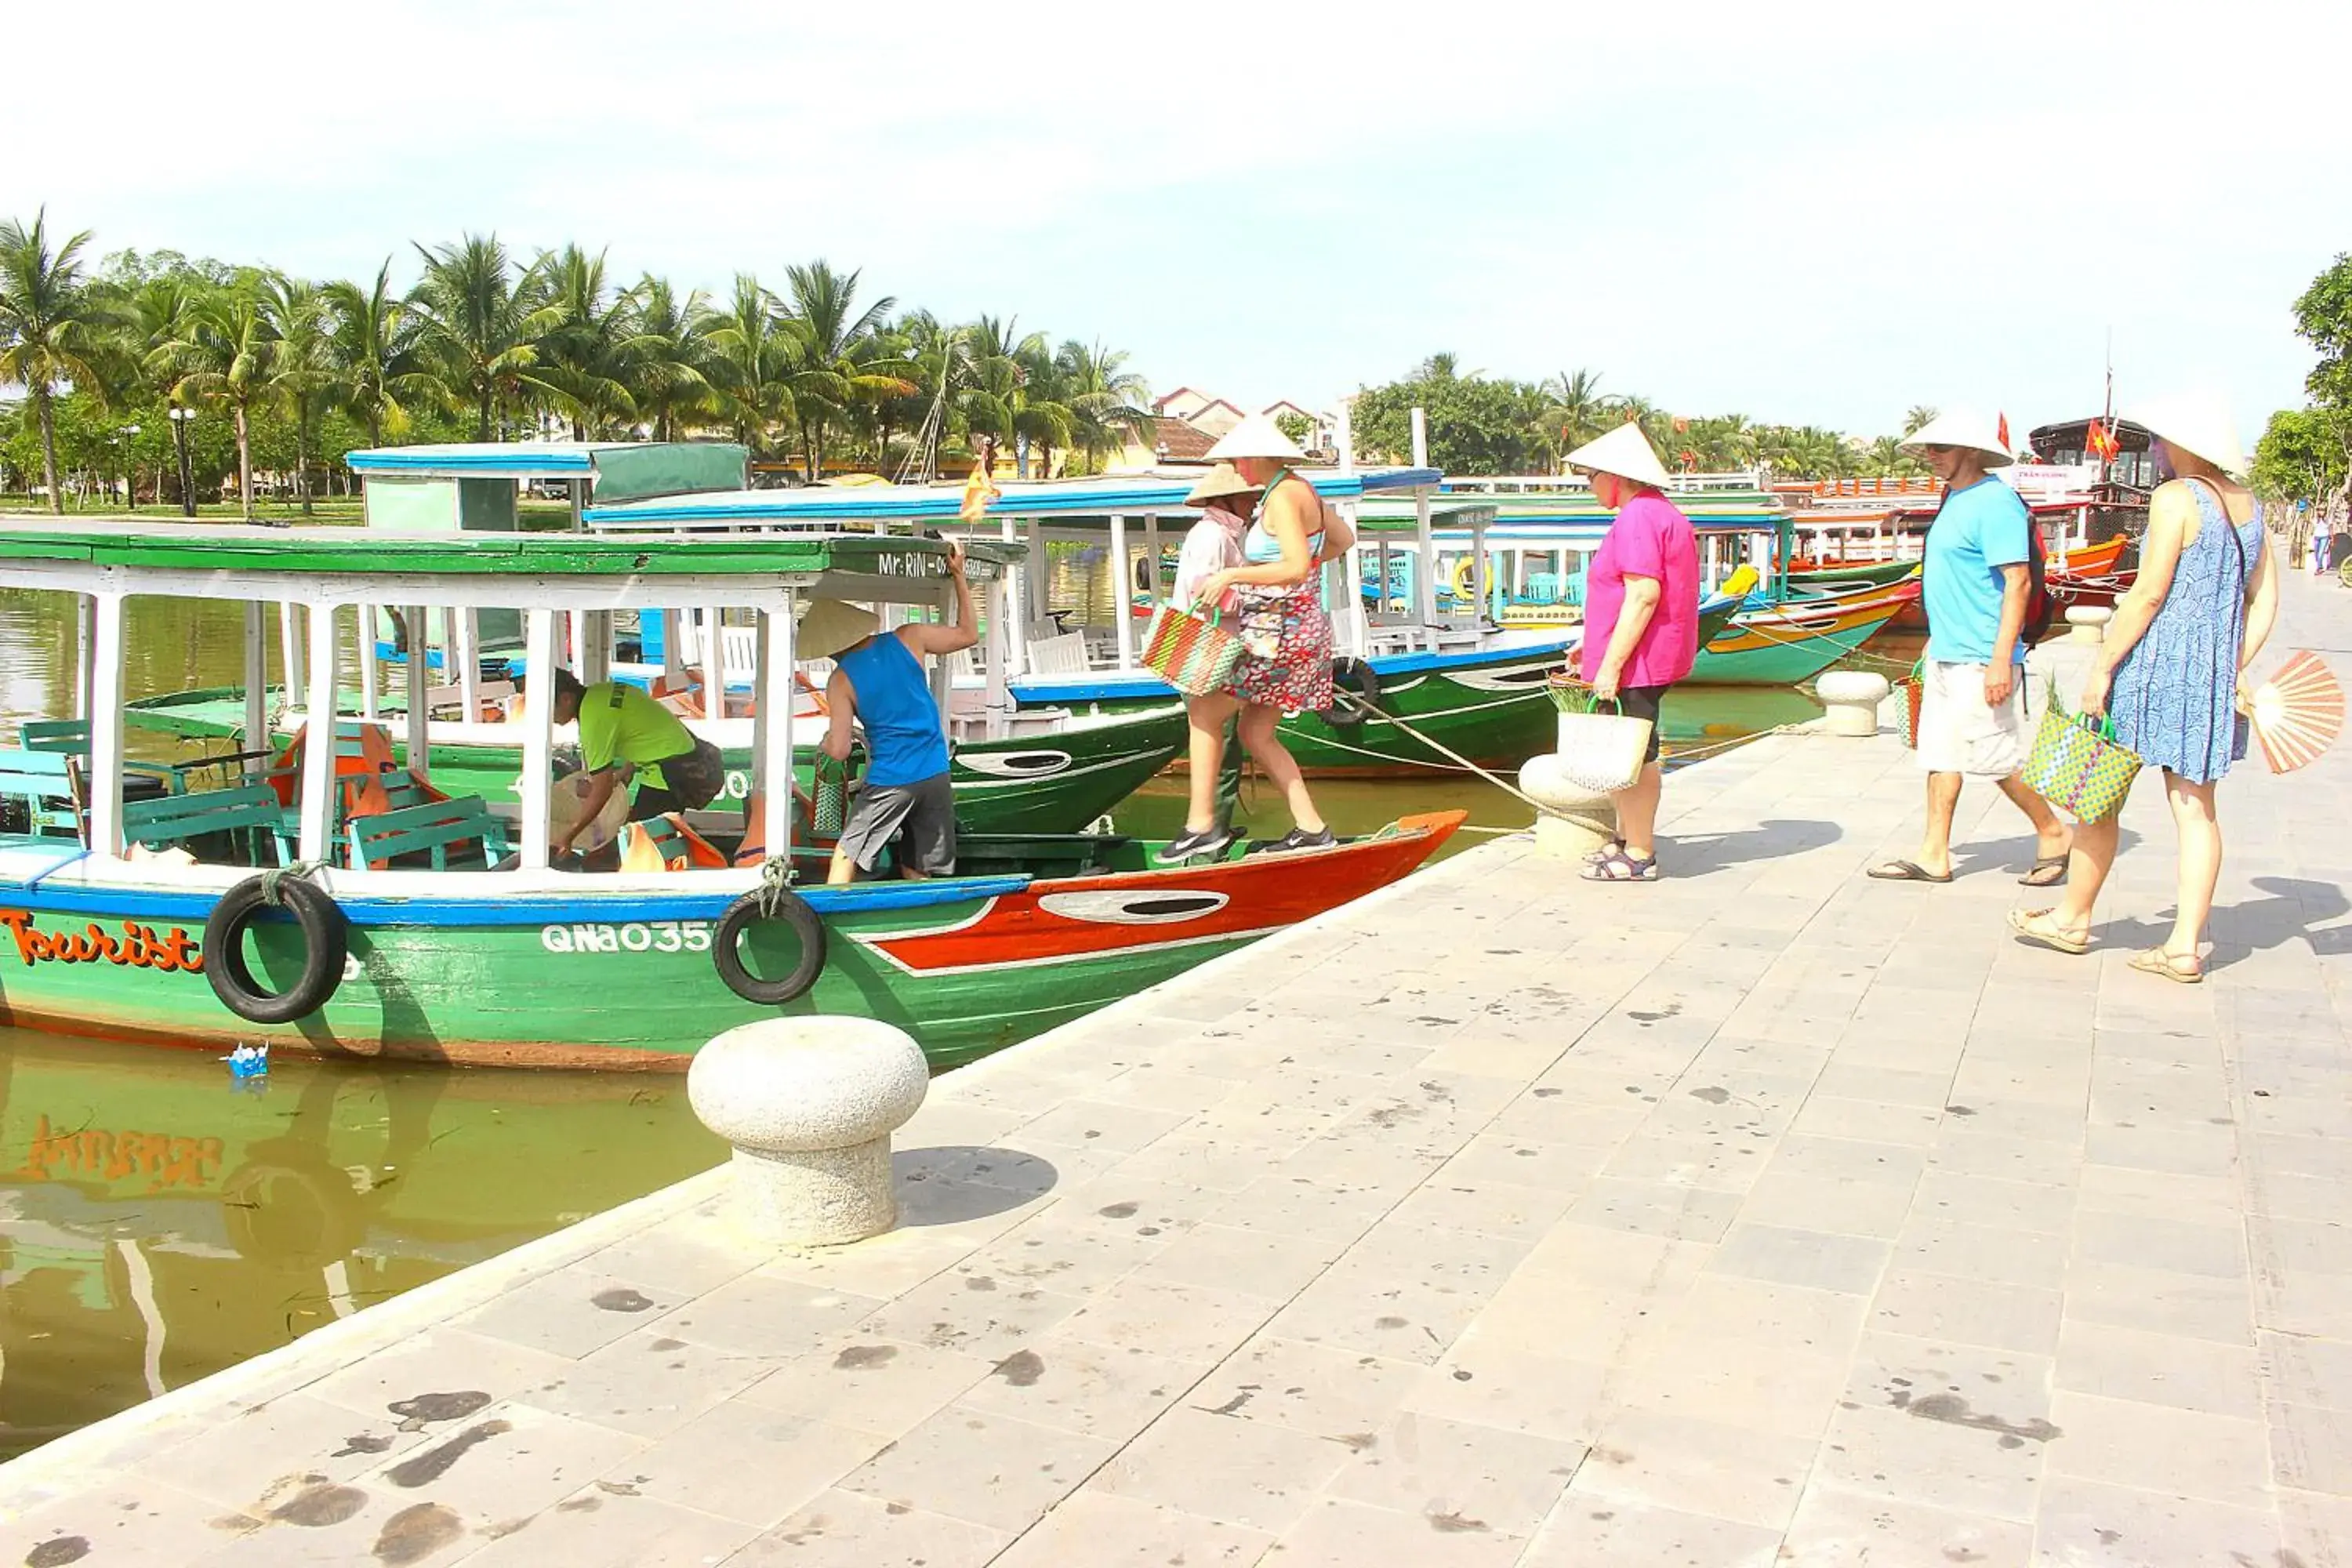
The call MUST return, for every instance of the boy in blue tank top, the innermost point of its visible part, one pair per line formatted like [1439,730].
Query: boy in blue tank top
[878,682]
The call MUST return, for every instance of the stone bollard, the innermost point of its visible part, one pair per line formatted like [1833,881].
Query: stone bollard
[1852,698]
[2087,623]
[1543,781]
[809,1104]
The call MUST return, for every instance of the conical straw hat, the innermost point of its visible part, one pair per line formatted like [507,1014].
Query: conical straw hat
[832,625]
[2198,424]
[1222,481]
[1963,427]
[1625,452]
[1257,436]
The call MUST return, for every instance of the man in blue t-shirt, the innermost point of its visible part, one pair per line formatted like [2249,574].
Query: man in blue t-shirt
[878,683]
[1977,581]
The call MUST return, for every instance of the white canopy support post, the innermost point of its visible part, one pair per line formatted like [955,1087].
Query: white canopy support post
[105,782]
[1000,639]
[1122,624]
[538,735]
[939,612]
[370,676]
[1037,578]
[419,718]
[318,827]
[466,647]
[256,737]
[1360,625]
[672,667]
[1152,555]
[597,652]
[1008,649]
[1478,572]
[710,649]
[578,491]
[289,654]
[85,651]
[775,677]
[575,653]
[755,787]
[1344,433]
[1424,560]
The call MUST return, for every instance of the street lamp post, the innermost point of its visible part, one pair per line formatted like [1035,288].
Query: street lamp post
[181,419]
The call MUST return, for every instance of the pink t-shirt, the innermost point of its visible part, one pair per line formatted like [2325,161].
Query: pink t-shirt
[1649,538]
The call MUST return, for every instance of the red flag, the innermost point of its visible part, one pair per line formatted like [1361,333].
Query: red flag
[2003,432]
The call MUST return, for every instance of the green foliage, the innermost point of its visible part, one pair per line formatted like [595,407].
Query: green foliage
[1298,427]
[2300,457]
[2323,317]
[1477,424]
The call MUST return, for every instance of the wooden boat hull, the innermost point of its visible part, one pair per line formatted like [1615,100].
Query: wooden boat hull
[1796,642]
[1055,782]
[623,978]
[1488,706]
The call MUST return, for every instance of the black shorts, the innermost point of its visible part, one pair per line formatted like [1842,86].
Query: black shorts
[1643,702]
[920,816]
[651,802]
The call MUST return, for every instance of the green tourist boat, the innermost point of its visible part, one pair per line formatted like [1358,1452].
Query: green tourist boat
[433,927]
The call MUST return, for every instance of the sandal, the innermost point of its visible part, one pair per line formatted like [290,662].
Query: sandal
[2054,937]
[1617,865]
[2156,961]
[2041,876]
[1615,846]
[1905,871]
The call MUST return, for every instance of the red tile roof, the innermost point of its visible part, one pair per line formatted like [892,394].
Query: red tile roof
[1172,438]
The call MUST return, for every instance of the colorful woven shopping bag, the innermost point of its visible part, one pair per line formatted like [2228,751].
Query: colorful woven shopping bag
[1914,687]
[1194,655]
[829,798]
[2077,765]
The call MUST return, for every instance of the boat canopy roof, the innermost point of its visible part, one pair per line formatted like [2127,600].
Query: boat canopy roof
[236,561]
[1159,492]
[545,459]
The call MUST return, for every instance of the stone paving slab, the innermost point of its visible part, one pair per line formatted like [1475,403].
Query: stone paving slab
[1763,1215]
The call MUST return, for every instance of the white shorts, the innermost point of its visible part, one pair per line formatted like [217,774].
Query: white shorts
[1958,734]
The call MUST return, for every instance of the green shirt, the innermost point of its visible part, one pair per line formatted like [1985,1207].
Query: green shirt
[634,729]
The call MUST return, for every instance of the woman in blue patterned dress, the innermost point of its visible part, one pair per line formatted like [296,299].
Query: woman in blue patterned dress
[2169,674]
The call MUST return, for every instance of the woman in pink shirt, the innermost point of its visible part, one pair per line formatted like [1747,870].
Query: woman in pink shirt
[1641,625]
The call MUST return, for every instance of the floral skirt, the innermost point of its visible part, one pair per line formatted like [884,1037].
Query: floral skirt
[1297,676]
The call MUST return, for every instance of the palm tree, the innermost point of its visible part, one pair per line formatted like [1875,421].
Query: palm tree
[668,358]
[1110,406]
[1920,417]
[943,363]
[303,369]
[751,362]
[52,328]
[1576,412]
[835,362]
[154,321]
[583,356]
[229,357]
[480,326]
[1041,418]
[379,367]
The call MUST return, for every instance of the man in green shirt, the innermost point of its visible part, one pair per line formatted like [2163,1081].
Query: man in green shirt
[623,731]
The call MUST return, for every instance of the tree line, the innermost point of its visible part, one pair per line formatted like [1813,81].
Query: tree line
[2305,454]
[195,368]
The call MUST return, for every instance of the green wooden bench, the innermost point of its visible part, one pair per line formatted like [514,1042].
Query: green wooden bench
[432,828]
[48,784]
[250,810]
[71,738]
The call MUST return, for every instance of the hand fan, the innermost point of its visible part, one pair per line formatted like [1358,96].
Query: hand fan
[2298,713]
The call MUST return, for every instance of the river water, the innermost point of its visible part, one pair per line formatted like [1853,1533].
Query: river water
[159,1221]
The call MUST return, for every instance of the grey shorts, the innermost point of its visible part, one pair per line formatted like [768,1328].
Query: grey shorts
[921,814]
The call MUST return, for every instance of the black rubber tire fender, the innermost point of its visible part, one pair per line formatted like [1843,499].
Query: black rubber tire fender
[1352,676]
[794,912]
[327,945]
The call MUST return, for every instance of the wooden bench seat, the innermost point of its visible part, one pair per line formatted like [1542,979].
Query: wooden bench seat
[45,789]
[250,810]
[428,829]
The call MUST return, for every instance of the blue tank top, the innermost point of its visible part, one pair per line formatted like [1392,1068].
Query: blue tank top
[904,739]
[1259,545]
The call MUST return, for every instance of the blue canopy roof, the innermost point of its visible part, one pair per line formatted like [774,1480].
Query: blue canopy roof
[1126,495]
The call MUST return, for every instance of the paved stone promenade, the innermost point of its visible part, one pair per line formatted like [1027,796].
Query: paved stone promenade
[1764,1216]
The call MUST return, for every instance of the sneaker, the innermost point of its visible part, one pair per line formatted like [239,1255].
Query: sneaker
[1300,838]
[1186,847]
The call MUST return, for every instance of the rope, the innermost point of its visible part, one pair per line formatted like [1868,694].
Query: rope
[273,883]
[1574,818]
[775,882]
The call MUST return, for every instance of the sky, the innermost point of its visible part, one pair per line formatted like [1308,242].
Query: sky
[1816,213]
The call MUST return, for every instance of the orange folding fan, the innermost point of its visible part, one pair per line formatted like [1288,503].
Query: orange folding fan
[2298,713]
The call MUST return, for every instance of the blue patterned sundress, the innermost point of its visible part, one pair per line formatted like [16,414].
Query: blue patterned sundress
[2173,693]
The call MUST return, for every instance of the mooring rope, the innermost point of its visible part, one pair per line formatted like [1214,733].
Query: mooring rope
[273,883]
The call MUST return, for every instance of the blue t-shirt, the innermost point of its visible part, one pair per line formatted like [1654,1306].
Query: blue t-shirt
[1980,530]
[904,742]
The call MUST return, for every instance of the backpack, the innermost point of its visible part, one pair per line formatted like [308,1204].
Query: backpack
[2040,610]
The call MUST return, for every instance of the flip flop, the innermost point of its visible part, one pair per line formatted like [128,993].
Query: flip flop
[2021,922]
[2156,961]
[1904,871]
[2039,877]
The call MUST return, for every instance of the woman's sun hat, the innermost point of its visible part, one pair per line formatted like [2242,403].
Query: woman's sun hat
[1962,427]
[1257,436]
[830,626]
[1223,480]
[1625,452]
[2198,424]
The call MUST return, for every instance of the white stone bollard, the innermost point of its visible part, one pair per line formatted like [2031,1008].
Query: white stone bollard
[2087,623]
[1543,781]
[1852,698]
[809,1104]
